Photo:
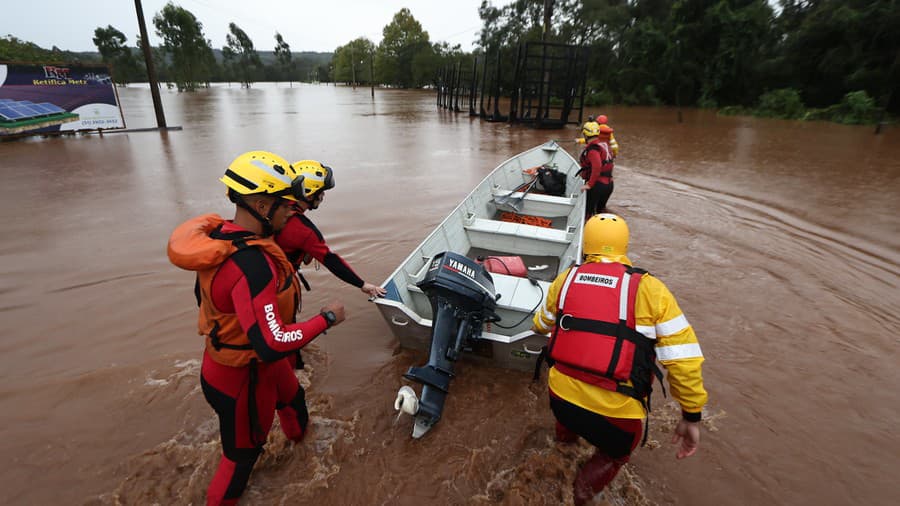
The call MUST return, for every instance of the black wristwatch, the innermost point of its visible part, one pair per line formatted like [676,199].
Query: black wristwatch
[330,318]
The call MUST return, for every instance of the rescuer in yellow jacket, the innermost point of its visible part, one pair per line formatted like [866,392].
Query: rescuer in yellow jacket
[610,322]
[613,144]
[601,121]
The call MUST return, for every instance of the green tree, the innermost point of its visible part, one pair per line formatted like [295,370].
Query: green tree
[519,21]
[190,53]
[283,56]
[353,61]
[111,44]
[13,49]
[240,55]
[403,41]
[833,47]
[723,43]
[159,61]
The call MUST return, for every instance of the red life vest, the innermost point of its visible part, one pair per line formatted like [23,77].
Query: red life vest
[200,245]
[586,168]
[595,339]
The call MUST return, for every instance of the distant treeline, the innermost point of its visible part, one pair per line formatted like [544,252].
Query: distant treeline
[841,57]
[823,59]
[405,58]
[131,68]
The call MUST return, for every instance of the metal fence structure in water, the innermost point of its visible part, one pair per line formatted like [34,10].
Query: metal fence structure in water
[547,86]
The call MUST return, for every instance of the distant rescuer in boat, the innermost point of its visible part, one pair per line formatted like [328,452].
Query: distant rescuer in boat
[610,322]
[302,241]
[249,297]
[596,167]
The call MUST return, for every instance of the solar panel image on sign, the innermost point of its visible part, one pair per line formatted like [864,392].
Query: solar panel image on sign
[25,108]
[42,109]
[9,114]
[52,107]
[12,110]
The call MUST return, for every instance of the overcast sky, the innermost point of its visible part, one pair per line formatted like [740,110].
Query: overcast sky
[319,25]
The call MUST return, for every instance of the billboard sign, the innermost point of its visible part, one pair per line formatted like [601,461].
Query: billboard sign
[37,98]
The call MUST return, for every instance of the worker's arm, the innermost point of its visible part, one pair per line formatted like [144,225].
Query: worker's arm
[254,297]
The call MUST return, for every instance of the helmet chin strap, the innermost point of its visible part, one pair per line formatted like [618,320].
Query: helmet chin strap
[266,222]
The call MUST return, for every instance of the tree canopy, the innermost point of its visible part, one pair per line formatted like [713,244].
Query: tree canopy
[403,43]
[283,56]
[241,59]
[111,44]
[192,61]
[717,52]
[352,63]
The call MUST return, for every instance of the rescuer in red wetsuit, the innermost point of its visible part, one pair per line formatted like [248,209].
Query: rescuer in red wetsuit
[596,167]
[248,296]
[302,241]
[610,323]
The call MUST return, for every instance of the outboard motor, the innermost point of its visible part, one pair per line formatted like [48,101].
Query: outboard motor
[462,299]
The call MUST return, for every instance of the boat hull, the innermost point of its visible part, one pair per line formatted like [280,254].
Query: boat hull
[475,228]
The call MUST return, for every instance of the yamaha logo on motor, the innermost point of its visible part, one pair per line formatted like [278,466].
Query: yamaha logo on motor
[463,269]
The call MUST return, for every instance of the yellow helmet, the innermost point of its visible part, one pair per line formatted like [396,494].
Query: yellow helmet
[256,172]
[313,177]
[590,129]
[605,234]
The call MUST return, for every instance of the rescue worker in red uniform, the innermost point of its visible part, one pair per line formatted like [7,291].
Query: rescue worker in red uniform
[610,322]
[249,296]
[302,241]
[596,167]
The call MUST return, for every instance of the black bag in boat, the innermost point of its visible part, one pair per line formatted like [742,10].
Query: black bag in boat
[552,181]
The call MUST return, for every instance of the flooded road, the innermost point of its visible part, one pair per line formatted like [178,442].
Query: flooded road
[781,241]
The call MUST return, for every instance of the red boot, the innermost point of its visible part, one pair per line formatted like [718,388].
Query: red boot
[595,475]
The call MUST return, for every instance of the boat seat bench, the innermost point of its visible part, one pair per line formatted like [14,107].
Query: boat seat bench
[517,238]
[537,204]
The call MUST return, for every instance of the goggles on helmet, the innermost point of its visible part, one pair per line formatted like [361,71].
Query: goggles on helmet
[298,185]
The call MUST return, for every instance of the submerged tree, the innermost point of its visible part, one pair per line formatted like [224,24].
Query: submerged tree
[111,44]
[283,57]
[191,54]
[404,41]
[353,61]
[240,55]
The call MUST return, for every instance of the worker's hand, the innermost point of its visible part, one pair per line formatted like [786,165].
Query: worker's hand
[585,187]
[688,435]
[373,290]
[337,308]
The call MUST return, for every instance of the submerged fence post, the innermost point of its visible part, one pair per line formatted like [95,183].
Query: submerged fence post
[473,86]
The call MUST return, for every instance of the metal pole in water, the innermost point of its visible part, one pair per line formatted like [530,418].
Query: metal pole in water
[151,71]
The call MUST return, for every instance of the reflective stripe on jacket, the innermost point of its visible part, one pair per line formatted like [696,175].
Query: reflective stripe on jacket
[657,316]
[595,340]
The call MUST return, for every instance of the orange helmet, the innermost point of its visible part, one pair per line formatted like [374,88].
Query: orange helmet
[602,119]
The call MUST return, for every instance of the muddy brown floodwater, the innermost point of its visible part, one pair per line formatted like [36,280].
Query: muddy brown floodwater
[780,240]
